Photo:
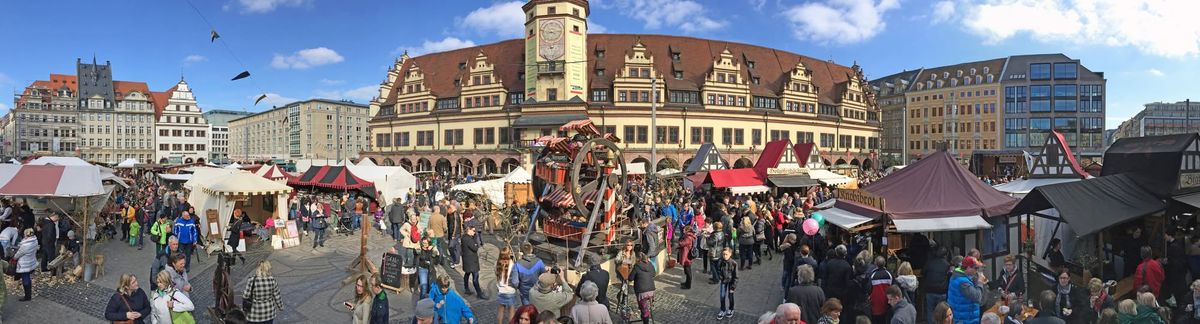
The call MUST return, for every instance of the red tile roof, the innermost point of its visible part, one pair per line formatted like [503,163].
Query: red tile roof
[160,101]
[123,88]
[696,57]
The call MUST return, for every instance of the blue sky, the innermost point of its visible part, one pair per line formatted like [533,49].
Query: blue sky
[298,49]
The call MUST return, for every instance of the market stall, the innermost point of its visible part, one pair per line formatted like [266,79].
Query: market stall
[217,192]
[334,178]
[273,173]
[390,181]
[74,190]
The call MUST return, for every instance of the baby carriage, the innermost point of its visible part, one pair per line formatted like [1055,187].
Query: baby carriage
[342,225]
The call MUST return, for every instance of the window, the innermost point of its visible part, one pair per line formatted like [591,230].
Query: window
[739,136]
[1065,70]
[643,134]
[515,98]
[726,136]
[679,96]
[1066,125]
[755,137]
[860,142]
[666,135]
[453,137]
[1091,124]
[765,102]
[447,103]
[1039,71]
[1064,105]
[644,96]
[551,94]
[599,72]
[701,135]
[600,95]
[678,75]
[403,139]
[1064,91]
[844,141]
[552,10]
[622,96]
[826,140]
[630,133]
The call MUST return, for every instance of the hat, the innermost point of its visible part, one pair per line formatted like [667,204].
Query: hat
[970,262]
[424,308]
[547,281]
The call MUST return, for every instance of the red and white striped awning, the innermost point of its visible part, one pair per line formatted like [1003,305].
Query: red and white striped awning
[563,198]
[50,180]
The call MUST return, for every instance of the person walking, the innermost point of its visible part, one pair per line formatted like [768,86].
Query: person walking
[379,306]
[179,275]
[360,306]
[426,265]
[396,213]
[643,285]
[49,238]
[320,221]
[588,310]
[686,245]
[506,295]
[879,280]
[186,229]
[907,281]
[470,244]
[129,303]
[451,308]
[597,275]
[726,271]
[903,312]
[525,272]
[263,293]
[716,247]
[1149,273]
[837,278]
[806,294]
[166,300]
[159,232]
[831,312]
[26,257]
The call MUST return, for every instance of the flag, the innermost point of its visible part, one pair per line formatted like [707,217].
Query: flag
[243,75]
[214,36]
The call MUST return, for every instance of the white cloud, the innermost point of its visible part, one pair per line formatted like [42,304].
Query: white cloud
[594,28]
[503,19]
[332,82]
[686,15]
[360,94]
[839,21]
[1155,72]
[274,99]
[1163,28]
[192,59]
[943,11]
[306,58]
[264,6]
[446,44]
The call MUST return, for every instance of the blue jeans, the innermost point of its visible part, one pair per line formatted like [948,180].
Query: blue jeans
[789,278]
[726,295]
[423,278]
[712,269]
[187,253]
[355,221]
[931,301]
[318,237]
[395,231]
[454,242]
[467,280]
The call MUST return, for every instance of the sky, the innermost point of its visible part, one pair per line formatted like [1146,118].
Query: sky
[341,49]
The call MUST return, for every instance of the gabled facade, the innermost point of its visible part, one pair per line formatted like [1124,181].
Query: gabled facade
[476,110]
[1056,160]
[183,134]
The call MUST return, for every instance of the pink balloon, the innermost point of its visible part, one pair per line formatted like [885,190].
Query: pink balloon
[810,226]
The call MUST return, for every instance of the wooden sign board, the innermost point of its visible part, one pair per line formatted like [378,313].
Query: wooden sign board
[214,224]
[389,271]
[862,197]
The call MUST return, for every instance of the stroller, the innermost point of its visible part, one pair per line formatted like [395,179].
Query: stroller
[342,225]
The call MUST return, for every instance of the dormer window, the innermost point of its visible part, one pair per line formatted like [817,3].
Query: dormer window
[720,77]
[674,56]
[575,28]
[946,75]
[462,66]
[958,74]
[457,82]
[755,80]
[599,53]
[599,72]
[678,75]
[575,11]
[750,64]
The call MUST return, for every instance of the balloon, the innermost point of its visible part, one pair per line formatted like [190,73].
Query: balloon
[820,218]
[810,226]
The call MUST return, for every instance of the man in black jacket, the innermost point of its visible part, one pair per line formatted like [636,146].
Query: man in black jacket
[48,239]
[936,277]
[598,276]
[837,278]
[397,213]
[1175,280]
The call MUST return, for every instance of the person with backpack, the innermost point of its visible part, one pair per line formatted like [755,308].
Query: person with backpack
[879,280]
[762,224]
[745,240]
[525,272]
[716,244]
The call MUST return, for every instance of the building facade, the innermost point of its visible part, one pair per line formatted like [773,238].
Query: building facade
[890,92]
[218,120]
[310,129]
[1161,118]
[1053,92]
[44,118]
[116,118]
[183,134]
[478,109]
[1003,105]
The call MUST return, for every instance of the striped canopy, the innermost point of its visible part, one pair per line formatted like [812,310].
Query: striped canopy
[273,172]
[333,177]
[50,180]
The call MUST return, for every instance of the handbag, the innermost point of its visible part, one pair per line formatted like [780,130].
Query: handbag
[181,317]
[247,303]
[128,308]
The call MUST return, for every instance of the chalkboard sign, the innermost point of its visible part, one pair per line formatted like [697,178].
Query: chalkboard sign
[389,270]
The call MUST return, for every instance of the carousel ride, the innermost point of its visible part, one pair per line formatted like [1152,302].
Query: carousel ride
[582,179]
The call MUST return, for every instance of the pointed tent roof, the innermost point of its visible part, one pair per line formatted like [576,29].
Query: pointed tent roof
[707,159]
[366,162]
[273,172]
[1056,160]
[809,155]
[776,154]
[938,187]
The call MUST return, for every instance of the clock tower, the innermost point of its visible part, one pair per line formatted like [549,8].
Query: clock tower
[555,56]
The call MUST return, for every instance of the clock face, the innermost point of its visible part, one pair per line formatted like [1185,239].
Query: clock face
[552,31]
[552,51]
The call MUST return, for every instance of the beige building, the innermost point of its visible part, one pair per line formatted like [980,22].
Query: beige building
[477,110]
[126,131]
[957,105]
[310,129]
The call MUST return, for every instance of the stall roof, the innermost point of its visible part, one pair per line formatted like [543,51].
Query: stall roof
[1093,204]
[1155,162]
[334,177]
[748,190]
[792,181]
[953,223]
[1024,186]
[50,180]
[707,158]
[735,178]
[828,177]
[937,186]
[843,218]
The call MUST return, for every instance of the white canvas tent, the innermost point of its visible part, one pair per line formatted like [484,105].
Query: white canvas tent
[828,177]
[234,166]
[393,181]
[366,162]
[222,189]
[303,165]
[494,189]
[128,164]
[106,174]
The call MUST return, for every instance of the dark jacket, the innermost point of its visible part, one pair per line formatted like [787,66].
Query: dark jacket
[936,276]
[809,297]
[837,279]
[116,309]
[1045,319]
[396,213]
[904,313]
[643,277]
[1011,283]
[727,272]
[686,245]
[598,276]
[470,253]
[379,309]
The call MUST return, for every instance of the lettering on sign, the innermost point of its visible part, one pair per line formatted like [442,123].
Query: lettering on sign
[787,171]
[862,197]
[1189,180]
[389,271]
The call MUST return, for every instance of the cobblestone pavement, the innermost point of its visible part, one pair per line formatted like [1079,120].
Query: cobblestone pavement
[313,292]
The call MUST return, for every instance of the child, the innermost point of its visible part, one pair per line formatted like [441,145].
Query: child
[726,271]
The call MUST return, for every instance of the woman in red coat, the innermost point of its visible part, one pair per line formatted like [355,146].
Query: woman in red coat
[1149,273]
[686,245]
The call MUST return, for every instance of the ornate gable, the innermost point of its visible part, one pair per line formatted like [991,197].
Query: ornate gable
[1190,161]
[707,159]
[725,64]
[1056,160]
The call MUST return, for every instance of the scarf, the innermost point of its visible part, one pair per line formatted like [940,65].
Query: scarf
[1064,297]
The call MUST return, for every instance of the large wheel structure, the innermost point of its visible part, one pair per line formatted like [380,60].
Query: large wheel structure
[589,176]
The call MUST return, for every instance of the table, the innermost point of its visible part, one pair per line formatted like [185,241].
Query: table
[1026,312]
